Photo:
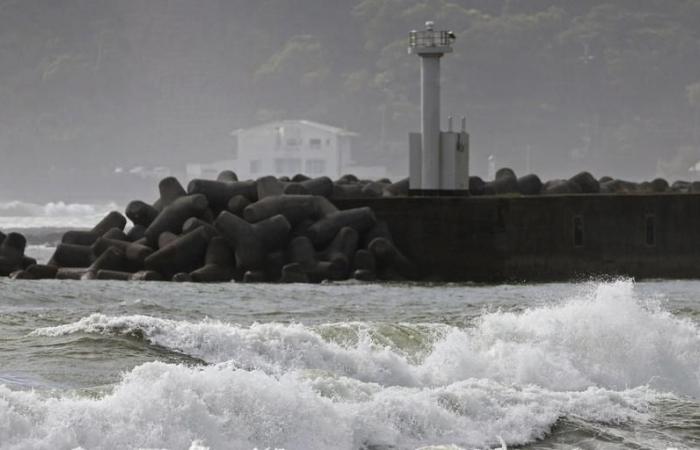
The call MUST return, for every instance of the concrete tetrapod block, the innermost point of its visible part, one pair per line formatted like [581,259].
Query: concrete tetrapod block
[555,187]
[13,243]
[146,275]
[348,178]
[342,247]
[364,260]
[347,191]
[42,272]
[269,186]
[680,186]
[174,216]
[112,220]
[659,185]
[219,193]
[587,183]
[182,277]
[322,186]
[227,176]
[170,190]
[72,256]
[252,242]
[477,186]
[27,261]
[301,251]
[274,261]
[618,187]
[111,259]
[185,254]
[302,228]
[141,213]
[219,263]
[294,188]
[529,184]
[295,208]
[298,178]
[116,234]
[12,253]
[79,237]
[398,189]
[114,275]
[21,275]
[237,205]
[380,229]
[135,233]
[364,275]
[373,190]
[323,231]
[166,238]
[134,253]
[193,223]
[71,273]
[253,276]
[293,273]
[505,182]
[389,257]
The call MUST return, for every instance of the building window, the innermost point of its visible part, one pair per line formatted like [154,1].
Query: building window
[255,166]
[315,144]
[578,231]
[328,142]
[315,166]
[287,165]
[650,231]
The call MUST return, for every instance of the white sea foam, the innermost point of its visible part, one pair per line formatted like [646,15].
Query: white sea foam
[172,406]
[607,338]
[17,214]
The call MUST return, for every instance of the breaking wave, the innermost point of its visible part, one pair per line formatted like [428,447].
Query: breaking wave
[17,214]
[606,357]
[607,338]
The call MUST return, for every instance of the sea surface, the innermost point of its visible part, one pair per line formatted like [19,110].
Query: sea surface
[111,365]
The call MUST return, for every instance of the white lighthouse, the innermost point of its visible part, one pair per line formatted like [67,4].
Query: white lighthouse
[439,161]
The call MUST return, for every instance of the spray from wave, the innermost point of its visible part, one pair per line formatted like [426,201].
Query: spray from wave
[17,214]
[607,338]
[606,357]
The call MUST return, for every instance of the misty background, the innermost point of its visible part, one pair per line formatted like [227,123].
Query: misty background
[548,86]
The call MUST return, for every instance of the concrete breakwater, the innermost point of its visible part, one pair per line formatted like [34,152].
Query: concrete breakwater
[270,229]
[310,230]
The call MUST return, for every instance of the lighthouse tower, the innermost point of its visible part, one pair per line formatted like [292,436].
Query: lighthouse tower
[439,161]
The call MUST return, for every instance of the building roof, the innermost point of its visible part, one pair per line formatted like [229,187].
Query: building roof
[308,123]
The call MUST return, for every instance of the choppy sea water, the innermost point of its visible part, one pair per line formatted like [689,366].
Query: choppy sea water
[102,365]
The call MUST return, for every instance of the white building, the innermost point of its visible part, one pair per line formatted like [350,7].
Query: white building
[284,148]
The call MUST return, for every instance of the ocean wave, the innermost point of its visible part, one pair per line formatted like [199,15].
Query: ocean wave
[160,405]
[606,338]
[18,214]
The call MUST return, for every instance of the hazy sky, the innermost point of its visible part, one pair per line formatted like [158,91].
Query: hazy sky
[551,86]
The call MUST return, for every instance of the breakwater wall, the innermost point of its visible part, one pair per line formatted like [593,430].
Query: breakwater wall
[545,238]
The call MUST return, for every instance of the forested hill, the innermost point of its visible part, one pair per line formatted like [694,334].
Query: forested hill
[610,86]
